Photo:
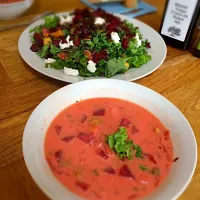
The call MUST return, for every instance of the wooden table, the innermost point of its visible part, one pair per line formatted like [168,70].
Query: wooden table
[22,89]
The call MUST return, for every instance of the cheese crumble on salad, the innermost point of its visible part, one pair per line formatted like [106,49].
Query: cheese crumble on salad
[89,43]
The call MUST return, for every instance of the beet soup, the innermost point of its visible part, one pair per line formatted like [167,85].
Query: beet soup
[110,149]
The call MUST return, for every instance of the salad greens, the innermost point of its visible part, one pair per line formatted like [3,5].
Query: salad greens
[90,41]
[51,21]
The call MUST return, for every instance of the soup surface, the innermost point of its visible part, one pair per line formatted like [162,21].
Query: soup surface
[106,148]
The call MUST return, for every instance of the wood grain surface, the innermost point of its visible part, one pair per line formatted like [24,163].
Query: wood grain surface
[22,89]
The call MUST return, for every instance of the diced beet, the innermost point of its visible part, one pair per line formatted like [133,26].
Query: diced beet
[77,41]
[109,170]
[56,43]
[125,122]
[83,118]
[125,43]
[67,138]
[87,138]
[86,12]
[111,28]
[58,156]
[77,18]
[150,157]
[175,159]
[78,11]
[58,129]
[38,38]
[148,45]
[102,154]
[85,32]
[99,112]
[124,171]
[63,39]
[82,185]
[134,129]
[98,56]
[35,47]
[130,35]
[98,13]
[52,30]
[49,55]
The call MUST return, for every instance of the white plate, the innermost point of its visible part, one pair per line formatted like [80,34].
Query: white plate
[181,134]
[158,53]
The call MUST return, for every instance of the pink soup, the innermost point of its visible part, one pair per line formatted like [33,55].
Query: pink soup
[79,152]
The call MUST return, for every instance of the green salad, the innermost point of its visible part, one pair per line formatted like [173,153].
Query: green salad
[89,43]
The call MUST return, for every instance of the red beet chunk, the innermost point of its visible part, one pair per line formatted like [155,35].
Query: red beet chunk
[78,11]
[63,39]
[56,43]
[87,138]
[49,55]
[58,156]
[98,13]
[125,122]
[35,47]
[150,157]
[38,38]
[99,112]
[98,56]
[102,154]
[86,12]
[130,35]
[82,185]
[77,42]
[148,45]
[124,171]
[52,30]
[109,170]
[125,43]
[77,18]
[67,138]
[111,28]
[134,129]
[58,129]
[83,118]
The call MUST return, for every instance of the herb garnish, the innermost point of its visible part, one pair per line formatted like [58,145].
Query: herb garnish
[123,146]
[143,168]
[95,172]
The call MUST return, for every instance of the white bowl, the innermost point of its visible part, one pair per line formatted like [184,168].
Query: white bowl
[181,134]
[12,10]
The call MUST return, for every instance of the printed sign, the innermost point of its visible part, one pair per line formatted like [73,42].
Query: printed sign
[177,18]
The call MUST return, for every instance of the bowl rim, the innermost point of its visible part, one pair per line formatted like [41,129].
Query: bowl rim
[178,193]
[16,3]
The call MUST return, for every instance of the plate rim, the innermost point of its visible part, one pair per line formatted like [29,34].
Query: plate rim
[20,42]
